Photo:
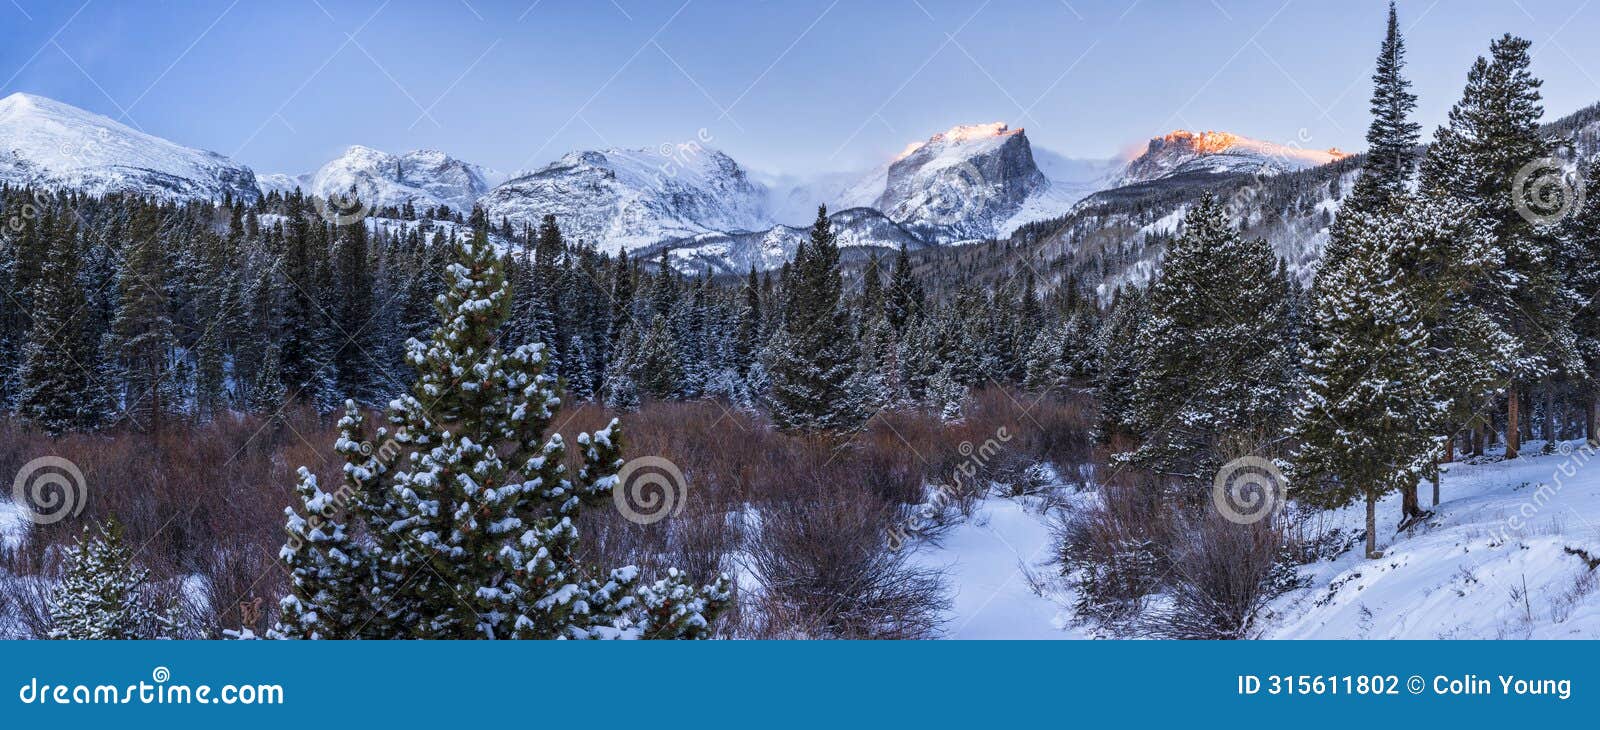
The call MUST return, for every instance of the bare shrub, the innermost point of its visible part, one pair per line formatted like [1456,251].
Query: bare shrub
[1219,580]
[826,571]
[1116,552]
[25,607]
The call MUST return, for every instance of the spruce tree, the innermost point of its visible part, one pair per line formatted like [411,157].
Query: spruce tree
[473,529]
[905,296]
[1580,250]
[56,390]
[1392,135]
[1213,382]
[1491,135]
[1364,425]
[103,593]
[812,372]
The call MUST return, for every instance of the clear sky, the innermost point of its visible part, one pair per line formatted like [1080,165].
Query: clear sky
[799,86]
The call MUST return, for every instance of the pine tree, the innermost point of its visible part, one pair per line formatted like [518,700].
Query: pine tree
[1392,135]
[812,372]
[56,390]
[305,339]
[353,364]
[905,296]
[1213,380]
[474,527]
[1580,248]
[747,340]
[1047,359]
[1372,395]
[1492,133]
[103,592]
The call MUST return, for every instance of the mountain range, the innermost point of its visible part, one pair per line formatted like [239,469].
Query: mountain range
[968,183]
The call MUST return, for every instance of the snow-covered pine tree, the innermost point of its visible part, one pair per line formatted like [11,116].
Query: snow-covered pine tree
[141,344]
[56,388]
[1580,248]
[1213,379]
[1392,135]
[1047,360]
[1364,425]
[1492,133]
[747,340]
[332,578]
[102,593]
[946,395]
[1118,355]
[813,369]
[473,529]
[905,297]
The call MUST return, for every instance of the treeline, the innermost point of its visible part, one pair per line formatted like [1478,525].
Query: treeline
[134,313]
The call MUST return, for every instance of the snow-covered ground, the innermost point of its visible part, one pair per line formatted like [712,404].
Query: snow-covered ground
[1503,557]
[991,562]
[1492,562]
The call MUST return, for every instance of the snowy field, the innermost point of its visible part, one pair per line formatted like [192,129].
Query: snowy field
[1501,558]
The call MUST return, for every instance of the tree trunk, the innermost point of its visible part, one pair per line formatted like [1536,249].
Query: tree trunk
[1410,504]
[1588,420]
[1477,440]
[1549,414]
[1513,424]
[1449,456]
[1372,527]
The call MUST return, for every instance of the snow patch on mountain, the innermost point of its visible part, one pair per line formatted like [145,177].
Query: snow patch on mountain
[46,143]
[855,228]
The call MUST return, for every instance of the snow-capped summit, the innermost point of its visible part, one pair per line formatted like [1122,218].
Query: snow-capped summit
[963,183]
[48,143]
[424,178]
[1190,153]
[627,199]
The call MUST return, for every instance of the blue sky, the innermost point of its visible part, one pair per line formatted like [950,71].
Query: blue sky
[799,86]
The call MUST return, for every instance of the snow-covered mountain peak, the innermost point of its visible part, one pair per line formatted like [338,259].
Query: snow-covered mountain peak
[424,178]
[52,144]
[960,184]
[962,134]
[1184,152]
[629,198]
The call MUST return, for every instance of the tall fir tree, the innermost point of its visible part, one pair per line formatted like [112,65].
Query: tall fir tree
[57,390]
[812,372]
[1372,395]
[1492,133]
[1214,380]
